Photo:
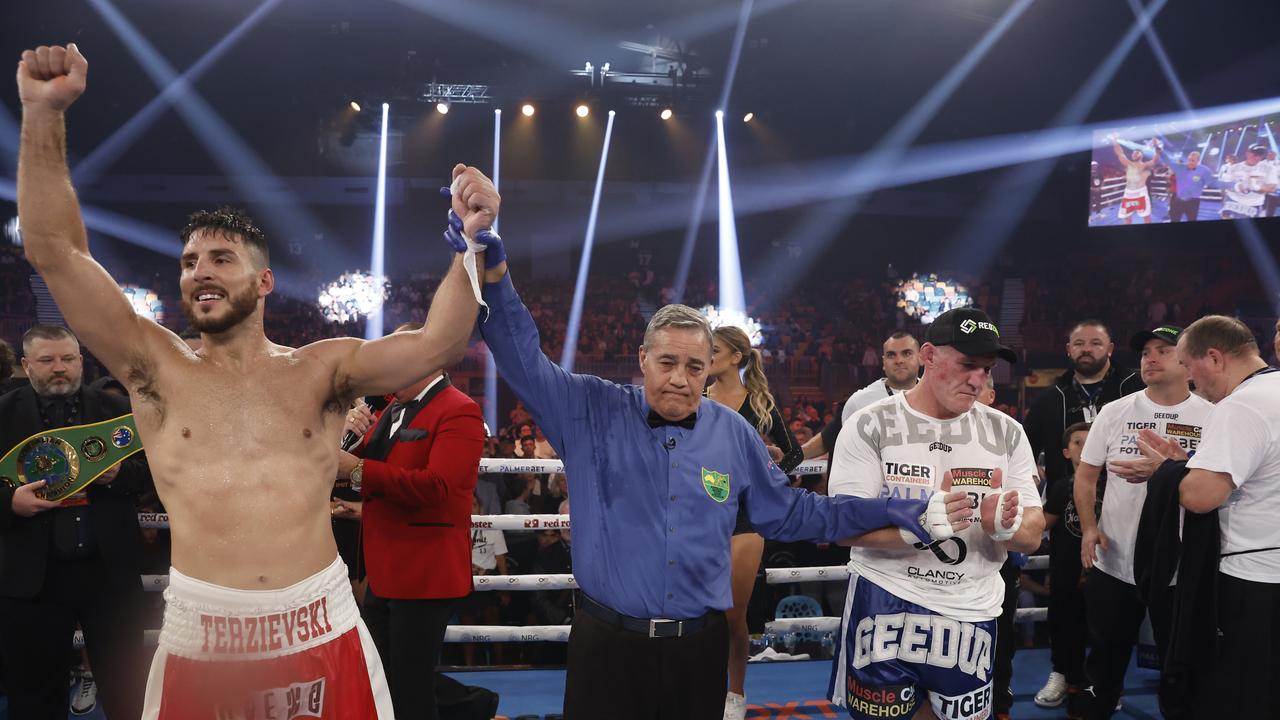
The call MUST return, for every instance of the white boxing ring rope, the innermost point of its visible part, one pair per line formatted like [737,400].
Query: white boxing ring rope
[526,583]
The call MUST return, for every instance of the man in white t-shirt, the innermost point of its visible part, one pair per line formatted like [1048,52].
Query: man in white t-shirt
[1236,471]
[1247,184]
[1113,607]
[901,373]
[919,620]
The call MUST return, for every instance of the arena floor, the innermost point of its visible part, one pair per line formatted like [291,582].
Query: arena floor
[792,690]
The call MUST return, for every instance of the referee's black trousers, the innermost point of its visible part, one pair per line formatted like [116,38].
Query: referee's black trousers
[624,675]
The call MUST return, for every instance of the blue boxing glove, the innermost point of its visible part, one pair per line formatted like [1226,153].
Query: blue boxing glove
[487,241]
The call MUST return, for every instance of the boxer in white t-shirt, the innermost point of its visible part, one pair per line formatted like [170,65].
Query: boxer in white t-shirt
[918,628]
[1113,607]
[1248,183]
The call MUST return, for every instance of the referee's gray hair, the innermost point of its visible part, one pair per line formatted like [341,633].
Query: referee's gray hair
[679,317]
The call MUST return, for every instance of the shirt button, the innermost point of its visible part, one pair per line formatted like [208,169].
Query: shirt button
[673,497]
[672,529]
[671,562]
[675,465]
[669,596]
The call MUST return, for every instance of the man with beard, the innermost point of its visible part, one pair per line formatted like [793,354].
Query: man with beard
[1137,198]
[901,373]
[68,562]
[1077,395]
[242,435]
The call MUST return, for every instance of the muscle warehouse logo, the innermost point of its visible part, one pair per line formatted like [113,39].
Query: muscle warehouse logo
[971,477]
[1180,430]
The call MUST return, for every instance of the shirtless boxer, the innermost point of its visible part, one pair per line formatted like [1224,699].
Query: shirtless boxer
[242,436]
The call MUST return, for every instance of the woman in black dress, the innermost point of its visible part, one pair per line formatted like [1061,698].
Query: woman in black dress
[740,384]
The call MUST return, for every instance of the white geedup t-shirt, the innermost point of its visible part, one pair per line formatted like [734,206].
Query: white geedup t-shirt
[1114,436]
[892,450]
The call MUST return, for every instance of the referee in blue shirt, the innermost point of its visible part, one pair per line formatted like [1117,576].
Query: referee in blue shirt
[1190,180]
[655,479]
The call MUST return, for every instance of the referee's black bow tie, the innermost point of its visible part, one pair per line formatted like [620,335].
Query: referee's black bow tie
[656,420]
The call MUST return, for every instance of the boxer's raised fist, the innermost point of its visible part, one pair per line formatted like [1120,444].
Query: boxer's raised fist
[51,78]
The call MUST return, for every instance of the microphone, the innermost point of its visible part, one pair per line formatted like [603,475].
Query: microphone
[670,443]
[350,439]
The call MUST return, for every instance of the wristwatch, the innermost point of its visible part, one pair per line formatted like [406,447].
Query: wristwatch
[357,475]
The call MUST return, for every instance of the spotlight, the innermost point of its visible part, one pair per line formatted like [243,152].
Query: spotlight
[442,108]
[527,110]
[748,117]
[13,231]
[355,106]
[717,317]
[666,114]
[719,114]
[583,111]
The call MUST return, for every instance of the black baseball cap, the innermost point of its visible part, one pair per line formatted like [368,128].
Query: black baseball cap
[1167,333]
[970,331]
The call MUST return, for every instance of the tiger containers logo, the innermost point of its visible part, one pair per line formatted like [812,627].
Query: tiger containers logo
[971,477]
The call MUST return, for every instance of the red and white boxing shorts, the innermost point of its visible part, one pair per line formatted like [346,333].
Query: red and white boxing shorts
[1135,203]
[297,652]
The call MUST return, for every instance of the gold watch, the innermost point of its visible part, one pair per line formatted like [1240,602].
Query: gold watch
[357,475]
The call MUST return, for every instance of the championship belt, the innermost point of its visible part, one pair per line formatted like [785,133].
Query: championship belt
[69,458]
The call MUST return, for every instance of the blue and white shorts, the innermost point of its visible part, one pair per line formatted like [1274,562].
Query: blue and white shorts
[892,654]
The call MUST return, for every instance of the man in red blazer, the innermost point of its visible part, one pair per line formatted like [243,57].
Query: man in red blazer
[415,469]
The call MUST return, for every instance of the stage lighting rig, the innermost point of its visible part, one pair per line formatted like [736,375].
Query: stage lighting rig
[436,93]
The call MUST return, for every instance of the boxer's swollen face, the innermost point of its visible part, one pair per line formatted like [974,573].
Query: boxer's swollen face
[674,365]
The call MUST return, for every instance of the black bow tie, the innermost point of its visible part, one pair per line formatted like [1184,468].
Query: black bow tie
[656,420]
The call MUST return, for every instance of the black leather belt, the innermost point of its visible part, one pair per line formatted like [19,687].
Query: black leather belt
[654,627]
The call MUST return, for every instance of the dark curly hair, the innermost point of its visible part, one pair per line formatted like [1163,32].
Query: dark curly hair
[233,222]
[7,361]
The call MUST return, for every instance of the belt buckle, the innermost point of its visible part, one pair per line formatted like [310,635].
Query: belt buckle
[655,624]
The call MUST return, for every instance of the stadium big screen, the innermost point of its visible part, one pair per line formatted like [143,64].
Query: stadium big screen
[1152,174]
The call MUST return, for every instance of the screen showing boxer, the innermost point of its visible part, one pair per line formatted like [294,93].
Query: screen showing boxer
[1220,172]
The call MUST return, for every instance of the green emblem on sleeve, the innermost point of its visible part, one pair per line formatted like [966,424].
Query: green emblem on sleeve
[716,484]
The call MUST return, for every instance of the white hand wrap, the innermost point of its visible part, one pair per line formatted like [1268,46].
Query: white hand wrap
[934,520]
[469,257]
[1002,534]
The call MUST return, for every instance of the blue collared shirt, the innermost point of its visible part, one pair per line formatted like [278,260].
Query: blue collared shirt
[1191,183]
[653,508]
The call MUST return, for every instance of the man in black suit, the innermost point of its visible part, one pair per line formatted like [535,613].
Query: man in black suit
[69,562]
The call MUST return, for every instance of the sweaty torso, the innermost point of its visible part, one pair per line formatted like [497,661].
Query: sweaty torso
[1135,177]
[244,458]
